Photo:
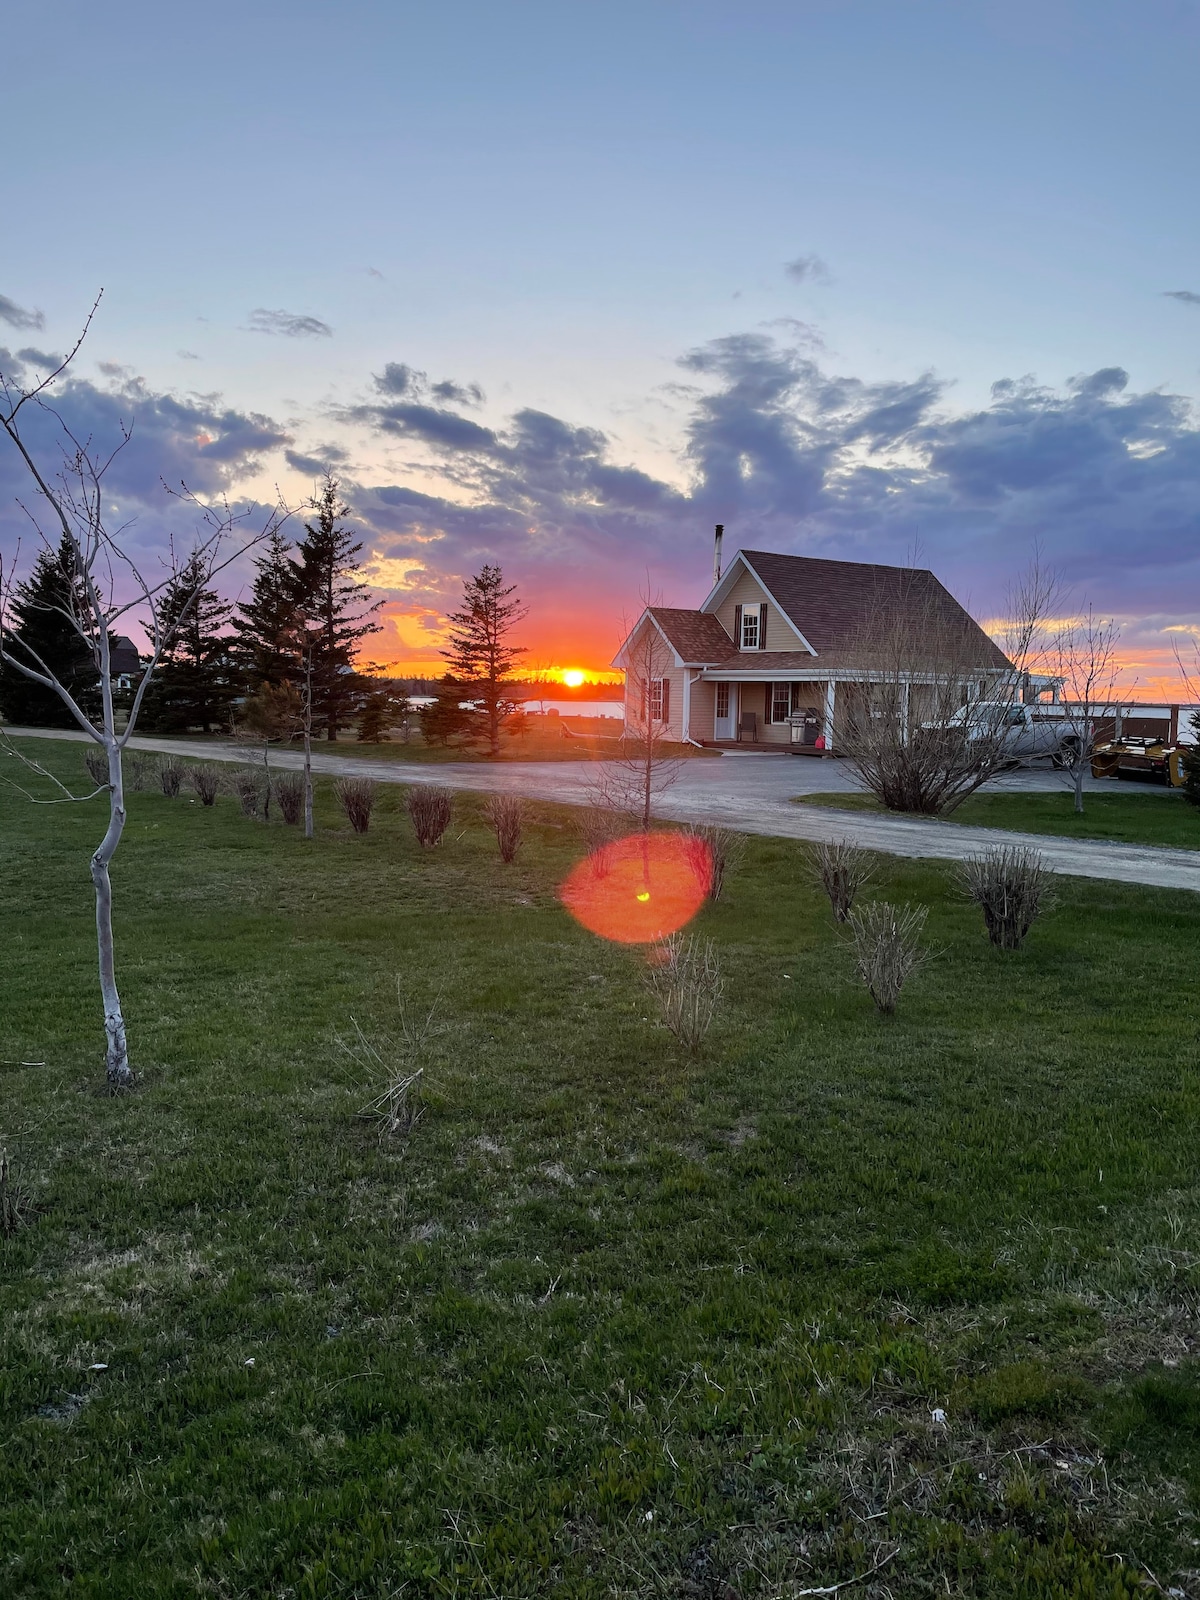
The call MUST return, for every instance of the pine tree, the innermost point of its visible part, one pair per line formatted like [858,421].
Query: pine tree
[195,684]
[479,650]
[264,646]
[329,591]
[445,721]
[375,720]
[38,633]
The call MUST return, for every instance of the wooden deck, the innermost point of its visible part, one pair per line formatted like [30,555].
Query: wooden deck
[760,747]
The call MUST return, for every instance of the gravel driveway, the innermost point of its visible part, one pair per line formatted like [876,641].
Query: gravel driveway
[754,793]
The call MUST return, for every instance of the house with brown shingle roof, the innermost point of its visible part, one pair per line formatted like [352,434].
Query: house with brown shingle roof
[771,656]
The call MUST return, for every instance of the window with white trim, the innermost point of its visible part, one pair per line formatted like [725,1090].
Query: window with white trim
[656,699]
[781,701]
[722,700]
[751,623]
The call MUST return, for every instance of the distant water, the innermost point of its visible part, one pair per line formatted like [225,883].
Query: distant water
[565,708]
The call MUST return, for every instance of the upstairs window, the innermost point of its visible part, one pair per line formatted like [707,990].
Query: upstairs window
[658,699]
[751,624]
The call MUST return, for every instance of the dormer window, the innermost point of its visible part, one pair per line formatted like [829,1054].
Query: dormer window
[751,627]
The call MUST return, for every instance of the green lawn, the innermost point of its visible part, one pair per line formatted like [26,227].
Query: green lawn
[539,744]
[608,1323]
[1132,815]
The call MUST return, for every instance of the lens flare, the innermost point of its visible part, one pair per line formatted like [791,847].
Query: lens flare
[640,888]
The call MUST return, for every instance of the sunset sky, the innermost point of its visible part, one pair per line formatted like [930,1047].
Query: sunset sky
[561,285]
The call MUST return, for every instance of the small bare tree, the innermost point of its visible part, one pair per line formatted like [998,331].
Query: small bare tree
[1084,654]
[634,779]
[927,724]
[107,585]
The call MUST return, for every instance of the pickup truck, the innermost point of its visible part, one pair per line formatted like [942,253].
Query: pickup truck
[1025,736]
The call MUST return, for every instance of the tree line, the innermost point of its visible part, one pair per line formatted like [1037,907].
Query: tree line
[298,630]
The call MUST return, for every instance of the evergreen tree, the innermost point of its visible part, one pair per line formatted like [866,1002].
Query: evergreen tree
[445,721]
[264,629]
[329,591]
[195,683]
[375,720]
[479,650]
[38,633]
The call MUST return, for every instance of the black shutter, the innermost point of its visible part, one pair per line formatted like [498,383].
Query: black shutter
[762,626]
[737,626]
[666,700]
[770,700]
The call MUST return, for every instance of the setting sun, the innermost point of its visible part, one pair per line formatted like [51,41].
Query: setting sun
[572,677]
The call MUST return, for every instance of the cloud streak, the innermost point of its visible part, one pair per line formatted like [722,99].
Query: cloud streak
[18,317]
[289,324]
[784,450]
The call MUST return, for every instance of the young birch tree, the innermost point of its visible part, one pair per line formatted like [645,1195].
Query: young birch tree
[105,585]
[633,780]
[1085,659]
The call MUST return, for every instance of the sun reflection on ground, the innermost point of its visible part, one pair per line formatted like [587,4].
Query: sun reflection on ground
[640,888]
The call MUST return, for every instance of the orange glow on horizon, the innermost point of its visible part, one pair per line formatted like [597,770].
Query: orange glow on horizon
[638,889]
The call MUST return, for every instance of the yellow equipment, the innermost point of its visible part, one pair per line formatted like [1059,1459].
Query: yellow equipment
[1153,759]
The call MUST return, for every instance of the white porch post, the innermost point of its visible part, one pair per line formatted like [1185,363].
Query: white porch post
[904,713]
[685,731]
[829,717]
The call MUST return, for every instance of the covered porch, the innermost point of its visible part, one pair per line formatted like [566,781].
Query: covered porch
[790,714]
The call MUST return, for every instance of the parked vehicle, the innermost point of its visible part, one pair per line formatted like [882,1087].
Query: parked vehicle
[1024,735]
[1154,760]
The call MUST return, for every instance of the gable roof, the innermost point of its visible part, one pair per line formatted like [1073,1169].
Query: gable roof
[832,603]
[697,638]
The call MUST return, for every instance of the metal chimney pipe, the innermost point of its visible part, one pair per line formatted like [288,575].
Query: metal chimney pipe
[720,534]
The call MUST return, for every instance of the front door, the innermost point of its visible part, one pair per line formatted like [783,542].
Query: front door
[726,711]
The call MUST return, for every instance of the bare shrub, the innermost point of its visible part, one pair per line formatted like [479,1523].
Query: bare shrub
[712,853]
[16,1204]
[289,791]
[887,948]
[356,797]
[206,784]
[430,807]
[247,785]
[598,828]
[1011,886]
[97,766]
[685,979]
[841,869]
[137,769]
[505,815]
[170,777]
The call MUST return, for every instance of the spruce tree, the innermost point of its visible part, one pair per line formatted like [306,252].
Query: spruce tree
[195,684]
[264,630]
[38,633]
[329,591]
[479,651]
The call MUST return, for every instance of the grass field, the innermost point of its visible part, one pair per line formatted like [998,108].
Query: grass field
[543,742]
[608,1322]
[1139,817]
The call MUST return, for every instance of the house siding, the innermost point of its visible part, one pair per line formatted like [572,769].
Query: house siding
[748,591]
[660,658]
[704,704]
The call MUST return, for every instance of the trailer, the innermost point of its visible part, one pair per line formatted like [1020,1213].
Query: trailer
[1142,757]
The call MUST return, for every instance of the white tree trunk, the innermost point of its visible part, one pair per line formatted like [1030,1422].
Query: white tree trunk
[118,1070]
